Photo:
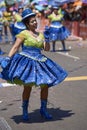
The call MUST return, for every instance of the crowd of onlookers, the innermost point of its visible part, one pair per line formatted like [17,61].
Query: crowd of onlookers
[73,11]
[76,12]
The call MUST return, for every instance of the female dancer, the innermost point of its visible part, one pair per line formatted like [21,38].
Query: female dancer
[56,29]
[30,67]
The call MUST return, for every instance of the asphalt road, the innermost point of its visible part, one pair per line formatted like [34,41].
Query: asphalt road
[67,102]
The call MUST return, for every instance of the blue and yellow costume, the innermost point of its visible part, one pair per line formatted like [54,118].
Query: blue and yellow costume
[1,30]
[30,66]
[57,31]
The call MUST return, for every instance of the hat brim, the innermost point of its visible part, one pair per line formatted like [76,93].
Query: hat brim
[55,8]
[29,15]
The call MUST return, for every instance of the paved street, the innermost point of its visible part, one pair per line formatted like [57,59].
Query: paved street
[67,102]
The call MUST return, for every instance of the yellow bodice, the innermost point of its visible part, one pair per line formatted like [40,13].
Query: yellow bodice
[30,40]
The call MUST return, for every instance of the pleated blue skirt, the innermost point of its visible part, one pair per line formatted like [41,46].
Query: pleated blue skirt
[58,31]
[32,67]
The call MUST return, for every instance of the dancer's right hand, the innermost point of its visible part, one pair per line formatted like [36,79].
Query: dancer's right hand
[5,62]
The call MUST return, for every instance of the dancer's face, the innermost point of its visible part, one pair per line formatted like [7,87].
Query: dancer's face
[56,11]
[33,22]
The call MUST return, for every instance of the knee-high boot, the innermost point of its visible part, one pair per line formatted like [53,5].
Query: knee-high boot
[53,45]
[25,110]
[43,110]
[64,46]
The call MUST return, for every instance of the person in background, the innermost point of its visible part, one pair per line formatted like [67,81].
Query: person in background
[1,31]
[20,10]
[42,20]
[1,26]
[18,24]
[30,67]
[7,17]
[57,31]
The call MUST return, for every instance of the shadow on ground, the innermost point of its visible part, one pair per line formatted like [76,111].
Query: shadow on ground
[57,113]
[67,50]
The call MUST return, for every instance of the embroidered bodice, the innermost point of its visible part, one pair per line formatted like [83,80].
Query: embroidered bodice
[31,41]
[54,17]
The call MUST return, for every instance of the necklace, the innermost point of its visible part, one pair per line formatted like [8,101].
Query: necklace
[35,35]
